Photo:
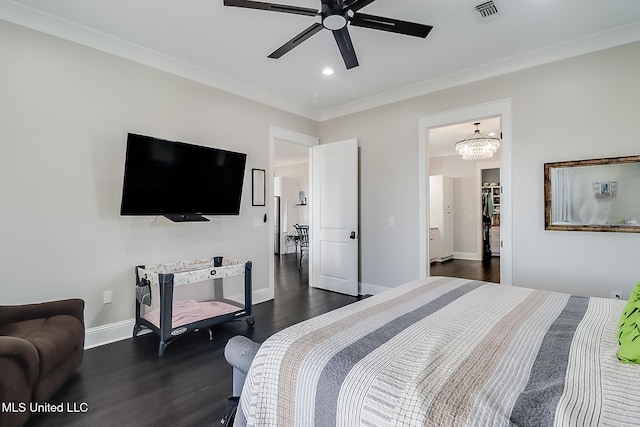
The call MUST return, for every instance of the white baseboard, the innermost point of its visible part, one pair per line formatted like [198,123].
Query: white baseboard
[471,256]
[105,334]
[369,289]
[262,295]
[118,331]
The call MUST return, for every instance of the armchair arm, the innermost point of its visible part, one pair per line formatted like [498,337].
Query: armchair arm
[24,353]
[16,313]
[239,353]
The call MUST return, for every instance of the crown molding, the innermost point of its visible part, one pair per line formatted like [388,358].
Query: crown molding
[292,162]
[25,16]
[572,48]
[49,24]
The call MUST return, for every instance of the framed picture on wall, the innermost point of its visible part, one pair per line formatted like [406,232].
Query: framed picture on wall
[258,187]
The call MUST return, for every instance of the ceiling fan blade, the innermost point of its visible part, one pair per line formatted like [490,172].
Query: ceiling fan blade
[391,25]
[305,34]
[343,39]
[273,7]
[356,5]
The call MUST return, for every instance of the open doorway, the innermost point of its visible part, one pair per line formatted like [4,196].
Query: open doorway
[498,109]
[287,150]
[463,227]
[291,201]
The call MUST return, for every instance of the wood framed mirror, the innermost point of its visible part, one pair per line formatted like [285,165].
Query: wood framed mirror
[593,195]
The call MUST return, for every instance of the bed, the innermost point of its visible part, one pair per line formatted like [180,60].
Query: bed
[447,352]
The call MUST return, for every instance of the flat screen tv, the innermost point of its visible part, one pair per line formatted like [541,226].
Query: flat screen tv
[180,181]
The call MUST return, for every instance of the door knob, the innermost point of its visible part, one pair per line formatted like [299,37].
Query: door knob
[352,235]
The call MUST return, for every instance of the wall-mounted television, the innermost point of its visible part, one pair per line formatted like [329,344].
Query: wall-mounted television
[180,181]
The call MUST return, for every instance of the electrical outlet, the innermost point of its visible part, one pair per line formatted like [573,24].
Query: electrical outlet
[106,297]
[616,295]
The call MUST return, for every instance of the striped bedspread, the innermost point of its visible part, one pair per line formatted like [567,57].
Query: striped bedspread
[447,352]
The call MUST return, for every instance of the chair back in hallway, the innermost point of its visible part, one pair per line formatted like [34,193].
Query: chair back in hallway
[303,239]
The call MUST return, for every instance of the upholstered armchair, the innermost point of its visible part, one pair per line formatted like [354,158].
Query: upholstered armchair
[41,346]
[239,353]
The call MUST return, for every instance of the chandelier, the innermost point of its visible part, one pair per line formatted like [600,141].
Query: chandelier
[477,146]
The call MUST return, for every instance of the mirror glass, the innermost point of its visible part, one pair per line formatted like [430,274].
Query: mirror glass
[593,195]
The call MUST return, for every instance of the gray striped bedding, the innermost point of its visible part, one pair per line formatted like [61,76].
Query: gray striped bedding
[447,352]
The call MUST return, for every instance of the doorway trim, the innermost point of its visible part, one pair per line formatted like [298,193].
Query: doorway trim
[277,133]
[502,109]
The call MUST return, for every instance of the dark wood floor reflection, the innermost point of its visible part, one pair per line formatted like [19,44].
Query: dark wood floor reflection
[474,270]
[126,384]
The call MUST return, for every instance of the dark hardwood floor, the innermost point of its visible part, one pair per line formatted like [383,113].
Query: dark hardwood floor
[126,384]
[475,270]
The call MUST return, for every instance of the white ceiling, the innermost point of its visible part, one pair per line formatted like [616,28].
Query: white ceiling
[227,47]
[442,141]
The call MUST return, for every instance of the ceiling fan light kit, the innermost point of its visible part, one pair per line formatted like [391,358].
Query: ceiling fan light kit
[477,146]
[336,15]
[334,22]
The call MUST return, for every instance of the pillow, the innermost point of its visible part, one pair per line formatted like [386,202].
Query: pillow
[629,329]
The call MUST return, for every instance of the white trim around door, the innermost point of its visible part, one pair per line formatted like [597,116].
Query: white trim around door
[502,109]
[276,133]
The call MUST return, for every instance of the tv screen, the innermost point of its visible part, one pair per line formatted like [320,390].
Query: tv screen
[180,181]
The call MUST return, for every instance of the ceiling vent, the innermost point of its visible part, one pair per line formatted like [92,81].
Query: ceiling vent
[486,11]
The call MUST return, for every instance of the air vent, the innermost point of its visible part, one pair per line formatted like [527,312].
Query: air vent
[487,10]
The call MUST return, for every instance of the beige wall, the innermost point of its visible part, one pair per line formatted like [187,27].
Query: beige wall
[467,236]
[65,111]
[584,107]
[299,172]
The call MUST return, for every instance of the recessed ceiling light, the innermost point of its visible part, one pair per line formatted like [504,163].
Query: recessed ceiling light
[327,71]
[492,134]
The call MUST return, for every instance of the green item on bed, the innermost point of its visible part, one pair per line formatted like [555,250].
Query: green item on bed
[629,329]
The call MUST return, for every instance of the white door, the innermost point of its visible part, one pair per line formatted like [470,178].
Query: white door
[333,222]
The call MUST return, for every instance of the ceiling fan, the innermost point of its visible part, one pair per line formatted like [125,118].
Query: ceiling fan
[336,14]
